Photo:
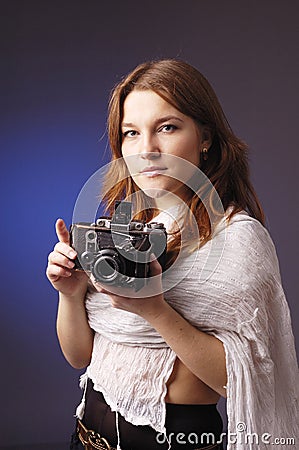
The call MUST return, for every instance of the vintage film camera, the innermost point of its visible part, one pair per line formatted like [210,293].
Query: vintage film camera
[117,250]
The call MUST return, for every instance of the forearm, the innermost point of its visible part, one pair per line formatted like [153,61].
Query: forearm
[74,333]
[202,353]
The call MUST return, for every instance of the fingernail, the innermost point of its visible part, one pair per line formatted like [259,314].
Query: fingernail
[72,254]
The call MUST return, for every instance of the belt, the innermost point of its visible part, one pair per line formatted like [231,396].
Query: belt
[92,440]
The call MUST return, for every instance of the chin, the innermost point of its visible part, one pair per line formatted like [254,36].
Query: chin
[155,193]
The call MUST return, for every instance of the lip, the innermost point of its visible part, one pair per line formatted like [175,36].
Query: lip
[152,171]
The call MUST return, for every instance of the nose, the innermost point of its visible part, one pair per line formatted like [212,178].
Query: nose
[149,147]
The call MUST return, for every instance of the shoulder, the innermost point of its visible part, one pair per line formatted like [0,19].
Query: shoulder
[248,246]
[246,232]
[232,274]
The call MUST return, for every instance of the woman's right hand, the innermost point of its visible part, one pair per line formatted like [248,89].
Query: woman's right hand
[61,263]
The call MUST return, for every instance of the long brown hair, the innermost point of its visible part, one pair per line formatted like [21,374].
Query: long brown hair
[185,88]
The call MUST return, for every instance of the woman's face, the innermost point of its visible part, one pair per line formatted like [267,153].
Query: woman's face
[154,136]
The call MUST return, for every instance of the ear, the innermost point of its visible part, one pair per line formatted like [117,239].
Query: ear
[206,138]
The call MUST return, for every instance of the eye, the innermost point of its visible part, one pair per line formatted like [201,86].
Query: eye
[129,133]
[168,128]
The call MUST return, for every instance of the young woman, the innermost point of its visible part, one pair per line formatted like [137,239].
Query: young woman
[158,360]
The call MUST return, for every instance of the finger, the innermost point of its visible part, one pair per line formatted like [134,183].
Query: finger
[65,249]
[155,267]
[62,231]
[103,289]
[54,273]
[60,259]
[99,287]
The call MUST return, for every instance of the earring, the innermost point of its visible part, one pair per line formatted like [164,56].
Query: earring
[203,155]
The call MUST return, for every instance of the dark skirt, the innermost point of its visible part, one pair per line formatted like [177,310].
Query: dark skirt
[188,427]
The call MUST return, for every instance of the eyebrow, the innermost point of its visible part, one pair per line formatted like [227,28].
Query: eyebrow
[157,122]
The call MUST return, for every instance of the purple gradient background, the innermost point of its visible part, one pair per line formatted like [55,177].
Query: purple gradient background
[59,63]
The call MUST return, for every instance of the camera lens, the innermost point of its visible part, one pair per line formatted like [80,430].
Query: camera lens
[106,268]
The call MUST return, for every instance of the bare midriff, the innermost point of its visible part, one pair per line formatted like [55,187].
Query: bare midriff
[183,387]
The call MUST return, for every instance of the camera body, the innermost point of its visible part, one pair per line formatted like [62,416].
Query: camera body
[117,250]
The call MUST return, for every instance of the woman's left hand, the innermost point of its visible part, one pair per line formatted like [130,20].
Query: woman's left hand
[148,302]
